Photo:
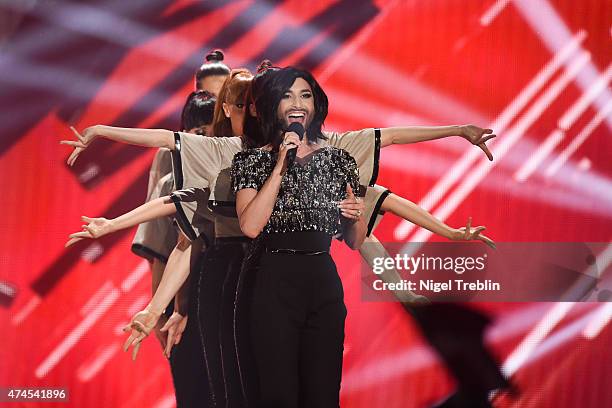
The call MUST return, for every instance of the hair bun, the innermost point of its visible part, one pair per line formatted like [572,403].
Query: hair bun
[264,66]
[215,56]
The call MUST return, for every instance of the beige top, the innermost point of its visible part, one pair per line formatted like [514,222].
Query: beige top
[193,216]
[198,160]
[162,165]
[201,172]
[364,146]
[373,200]
[157,238]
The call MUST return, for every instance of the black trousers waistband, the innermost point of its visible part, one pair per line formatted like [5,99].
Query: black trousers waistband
[298,243]
[231,240]
[289,251]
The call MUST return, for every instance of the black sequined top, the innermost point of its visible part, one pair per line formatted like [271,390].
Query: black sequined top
[310,190]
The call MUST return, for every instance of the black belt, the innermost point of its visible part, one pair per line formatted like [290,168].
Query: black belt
[290,251]
[231,240]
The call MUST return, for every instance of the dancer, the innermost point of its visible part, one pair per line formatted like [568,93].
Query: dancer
[154,240]
[184,350]
[212,73]
[158,238]
[222,260]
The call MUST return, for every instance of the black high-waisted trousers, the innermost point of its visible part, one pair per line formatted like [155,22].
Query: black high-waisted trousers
[216,298]
[205,365]
[297,316]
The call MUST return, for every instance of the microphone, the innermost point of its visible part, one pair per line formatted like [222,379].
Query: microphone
[299,129]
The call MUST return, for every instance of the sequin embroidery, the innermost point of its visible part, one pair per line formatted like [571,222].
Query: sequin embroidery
[309,192]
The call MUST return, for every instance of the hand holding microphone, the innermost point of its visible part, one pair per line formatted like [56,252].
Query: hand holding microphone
[288,149]
[299,129]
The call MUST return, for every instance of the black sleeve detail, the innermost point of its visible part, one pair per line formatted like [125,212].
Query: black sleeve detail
[177,164]
[182,220]
[147,253]
[376,211]
[376,156]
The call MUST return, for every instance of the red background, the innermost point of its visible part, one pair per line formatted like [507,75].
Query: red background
[382,63]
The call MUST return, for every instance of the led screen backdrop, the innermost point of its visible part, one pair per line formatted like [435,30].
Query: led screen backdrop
[536,71]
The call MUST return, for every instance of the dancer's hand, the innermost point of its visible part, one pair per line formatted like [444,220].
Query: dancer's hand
[469,233]
[478,136]
[95,228]
[162,337]
[351,207]
[290,141]
[141,325]
[84,139]
[174,327]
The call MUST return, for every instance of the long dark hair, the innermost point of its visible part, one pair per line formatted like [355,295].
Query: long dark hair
[253,136]
[269,98]
[213,65]
[198,110]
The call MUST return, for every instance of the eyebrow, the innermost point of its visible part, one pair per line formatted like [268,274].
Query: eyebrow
[301,90]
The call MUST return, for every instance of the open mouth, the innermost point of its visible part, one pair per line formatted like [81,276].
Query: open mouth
[295,116]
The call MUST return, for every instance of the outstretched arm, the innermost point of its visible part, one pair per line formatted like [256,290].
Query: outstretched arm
[372,249]
[139,137]
[414,134]
[409,211]
[98,227]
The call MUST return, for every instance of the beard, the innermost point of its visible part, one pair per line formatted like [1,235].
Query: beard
[283,122]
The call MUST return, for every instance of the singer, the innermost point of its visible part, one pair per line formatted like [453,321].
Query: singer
[297,309]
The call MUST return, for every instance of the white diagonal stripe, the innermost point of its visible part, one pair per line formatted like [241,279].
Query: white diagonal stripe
[499,125]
